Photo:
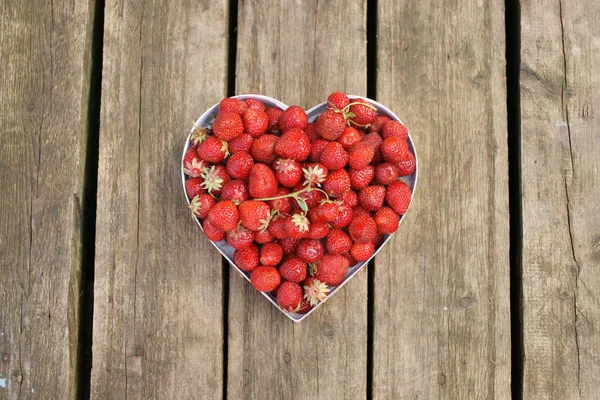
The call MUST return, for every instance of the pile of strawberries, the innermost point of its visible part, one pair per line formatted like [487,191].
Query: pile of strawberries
[300,202]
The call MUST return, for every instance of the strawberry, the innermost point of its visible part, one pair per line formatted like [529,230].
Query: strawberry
[263,148]
[277,227]
[349,137]
[239,165]
[201,204]
[273,113]
[214,178]
[344,217]
[227,126]
[337,183]
[386,173]
[332,270]
[240,143]
[361,178]
[224,215]
[315,291]
[293,144]
[375,140]
[387,220]
[337,242]
[193,165]
[246,259]
[255,122]
[311,198]
[362,251]
[288,172]
[318,230]
[213,150]
[334,156]
[351,260]
[297,226]
[230,104]
[394,149]
[212,233]
[303,307]
[271,254]
[288,245]
[293,269]
[364,113]
[350,198]
[199,135]
[314,174]
[289,296]
[294,117]
[309,250]
[193,187]
[394,129]
[360,155]
[263,237]
[311,133]
[255,215]
[337,101]
[378,122]
[362,229]
[330,125]
[398,195]
[317,149]
[378,241]
[283,205]
[262,182]
[240,238]
[326,211]
[236,191]
[407,165]
[372,197]
[255,104]
[360,210]
[265,278]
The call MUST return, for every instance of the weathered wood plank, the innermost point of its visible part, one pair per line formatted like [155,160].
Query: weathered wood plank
[299,52]
[442,318]
[560,98]
[158,293]
[45,52]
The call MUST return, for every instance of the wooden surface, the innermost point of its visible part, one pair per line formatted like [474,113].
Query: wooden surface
[561,190]
[158,329]
[324,357]
[441,313]
[44,91]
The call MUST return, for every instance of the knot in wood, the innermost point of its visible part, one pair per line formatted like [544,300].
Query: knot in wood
[327,330]
[139,352]
[5,357]
[466,302]
[441,378]
[287,357]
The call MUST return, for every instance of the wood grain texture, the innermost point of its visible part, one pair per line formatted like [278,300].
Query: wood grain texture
[560,100]
[441,290]
[299,52]
[45,52]
[158,291]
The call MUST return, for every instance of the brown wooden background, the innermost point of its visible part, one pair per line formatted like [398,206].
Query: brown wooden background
[491,288]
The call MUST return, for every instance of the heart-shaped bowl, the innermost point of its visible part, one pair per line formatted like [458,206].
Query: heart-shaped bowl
[227,251]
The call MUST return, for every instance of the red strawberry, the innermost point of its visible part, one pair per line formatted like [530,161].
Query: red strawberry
[288,172]
[213,150]
[214,178]
[277,227]
[315,291]
[255,122]
[362,229]
[263,148]
[378,241]
[236,191]
[232,105]
[334,156]
[255,215]
[193,187]
[337,183]
[271,254]
[361,178]
[387,220]
[360,155]
[362,251]
[351,260]
[378,123]
[350,198]
[326,211]
[201,204]
[293,144]
[344,217]
[283,205]
[240,143]
[317,149]
[394,129]
[294,117]
[212,233]
[262,182]
[193,165]
[349,137]
[386,173]
[407,165]
[372,197]
[318,230]
[273,113]
[311,133]
[246,259]
[375,140]
[227,126]
[312,197]
[394,149]
[224,215]
[303,307]
[332,270]
[255,104]
[293,269]
[309,250]
[337,101]
[265,278]
[330,125]
[364,113]
[337,242]
[240,238]
[264,237]
[289,296]
[360,210]
[398,195]
[314,174]
[288,245]
[297,226]
[239,165]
